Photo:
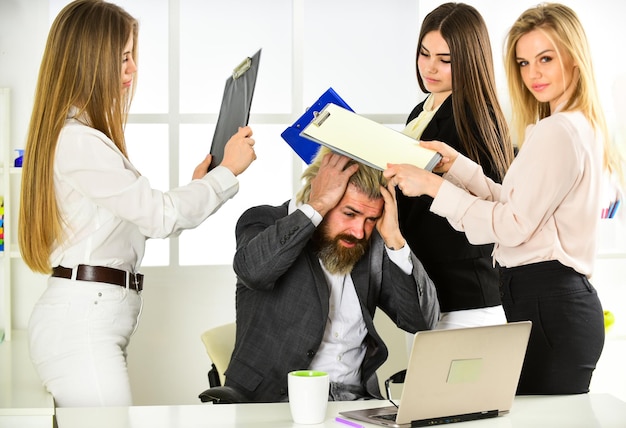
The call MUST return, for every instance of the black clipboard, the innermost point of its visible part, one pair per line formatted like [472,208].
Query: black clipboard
[235,108]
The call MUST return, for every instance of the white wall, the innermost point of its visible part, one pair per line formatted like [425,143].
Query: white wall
[23,30]
[167,361]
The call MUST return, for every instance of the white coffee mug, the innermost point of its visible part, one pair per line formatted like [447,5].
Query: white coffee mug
[308,396]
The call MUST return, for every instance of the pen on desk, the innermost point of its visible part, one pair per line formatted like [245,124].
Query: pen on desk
[349,423]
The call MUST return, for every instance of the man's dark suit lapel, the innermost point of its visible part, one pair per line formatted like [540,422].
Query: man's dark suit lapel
[360,278]
[367,274]
[319,278]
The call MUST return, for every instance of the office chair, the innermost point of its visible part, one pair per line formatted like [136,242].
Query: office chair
[394,378]
[219,343]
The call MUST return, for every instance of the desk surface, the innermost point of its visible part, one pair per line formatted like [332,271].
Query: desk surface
[584,411]
[21,391]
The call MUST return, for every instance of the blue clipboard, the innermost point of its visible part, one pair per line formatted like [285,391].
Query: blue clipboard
[304,147]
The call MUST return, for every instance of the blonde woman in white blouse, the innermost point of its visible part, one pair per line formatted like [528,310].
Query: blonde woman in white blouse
[544,216]
[86,212]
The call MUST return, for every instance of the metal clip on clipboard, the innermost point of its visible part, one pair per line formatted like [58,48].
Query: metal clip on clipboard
[320,117]
[242,68]
[235,108]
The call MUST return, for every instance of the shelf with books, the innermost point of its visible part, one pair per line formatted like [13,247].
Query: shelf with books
[8,176]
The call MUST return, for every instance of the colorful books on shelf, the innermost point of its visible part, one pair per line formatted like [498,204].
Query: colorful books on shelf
[611,210]
[1,223]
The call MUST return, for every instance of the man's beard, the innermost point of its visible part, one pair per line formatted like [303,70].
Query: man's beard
[336,258]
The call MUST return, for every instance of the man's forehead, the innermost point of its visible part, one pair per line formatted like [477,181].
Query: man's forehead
[359,201]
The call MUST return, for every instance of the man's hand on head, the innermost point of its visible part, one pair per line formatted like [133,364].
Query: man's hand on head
[387,224]
[330,183]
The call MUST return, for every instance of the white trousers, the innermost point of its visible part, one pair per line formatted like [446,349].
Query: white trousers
[78,334]
[492,315]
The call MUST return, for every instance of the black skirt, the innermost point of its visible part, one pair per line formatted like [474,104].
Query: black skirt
[567,335]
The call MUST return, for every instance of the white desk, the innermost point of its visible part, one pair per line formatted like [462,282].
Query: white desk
[584,411]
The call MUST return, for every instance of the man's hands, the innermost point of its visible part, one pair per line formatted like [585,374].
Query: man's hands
[387,224]
[330,183]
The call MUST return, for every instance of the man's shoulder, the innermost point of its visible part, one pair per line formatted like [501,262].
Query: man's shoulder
[269,209]
[263,213]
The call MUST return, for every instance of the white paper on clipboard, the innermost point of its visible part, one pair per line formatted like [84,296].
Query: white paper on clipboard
[367,141]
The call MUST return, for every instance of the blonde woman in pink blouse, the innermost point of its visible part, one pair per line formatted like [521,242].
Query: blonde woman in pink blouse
[544,216]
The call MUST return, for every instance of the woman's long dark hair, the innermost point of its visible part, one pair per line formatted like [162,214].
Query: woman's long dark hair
[478,117]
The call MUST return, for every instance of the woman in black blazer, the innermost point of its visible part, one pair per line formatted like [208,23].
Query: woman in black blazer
[455,67]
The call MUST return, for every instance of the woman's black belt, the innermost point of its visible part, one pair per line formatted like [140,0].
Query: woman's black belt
[102,274]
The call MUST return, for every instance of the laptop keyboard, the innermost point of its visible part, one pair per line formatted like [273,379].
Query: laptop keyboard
[386,417]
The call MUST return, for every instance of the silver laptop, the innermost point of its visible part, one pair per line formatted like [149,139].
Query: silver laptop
[457,375]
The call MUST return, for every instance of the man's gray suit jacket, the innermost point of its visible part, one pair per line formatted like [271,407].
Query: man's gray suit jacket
[282,302]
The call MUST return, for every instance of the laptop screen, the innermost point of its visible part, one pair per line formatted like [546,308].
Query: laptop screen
[456,375]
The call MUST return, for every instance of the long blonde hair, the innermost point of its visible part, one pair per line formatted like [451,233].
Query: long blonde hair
[562,26]
[81,68]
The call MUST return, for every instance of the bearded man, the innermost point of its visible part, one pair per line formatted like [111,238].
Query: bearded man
[310,275]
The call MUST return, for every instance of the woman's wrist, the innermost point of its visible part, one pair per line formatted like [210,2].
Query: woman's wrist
[434,184]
